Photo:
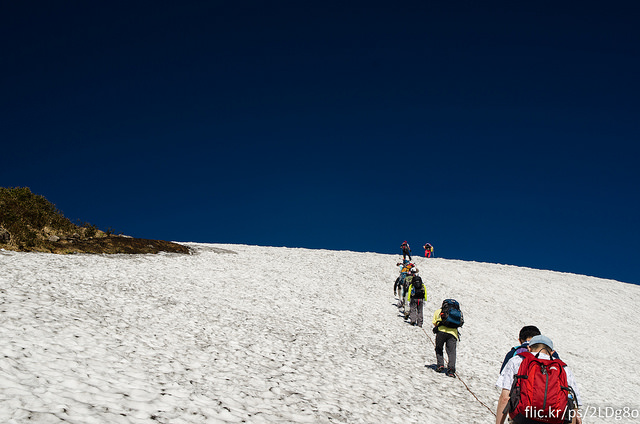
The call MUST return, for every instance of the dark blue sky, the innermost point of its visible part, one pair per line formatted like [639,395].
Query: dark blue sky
[498,131]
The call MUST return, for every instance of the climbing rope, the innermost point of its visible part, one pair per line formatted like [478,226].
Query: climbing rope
[458,377]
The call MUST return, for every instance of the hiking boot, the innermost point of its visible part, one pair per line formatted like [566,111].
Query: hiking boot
[451,373]
[441,369]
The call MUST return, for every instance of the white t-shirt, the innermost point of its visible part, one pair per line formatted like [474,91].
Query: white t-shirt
[505,381]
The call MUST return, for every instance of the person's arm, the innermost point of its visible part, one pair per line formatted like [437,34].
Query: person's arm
[577,419]
[436,317]
[502,403]
[505,383]
[571,382]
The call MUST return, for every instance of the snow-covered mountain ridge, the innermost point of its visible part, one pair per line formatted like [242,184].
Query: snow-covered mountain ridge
[272,334]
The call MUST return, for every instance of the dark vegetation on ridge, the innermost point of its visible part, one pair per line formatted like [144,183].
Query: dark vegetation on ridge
[30,223]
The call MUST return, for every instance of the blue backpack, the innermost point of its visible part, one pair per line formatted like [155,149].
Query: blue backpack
[451,314]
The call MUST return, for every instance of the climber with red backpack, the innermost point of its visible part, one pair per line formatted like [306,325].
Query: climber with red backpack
[537,388]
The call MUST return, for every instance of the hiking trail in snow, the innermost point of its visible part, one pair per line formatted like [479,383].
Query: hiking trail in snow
[236,333]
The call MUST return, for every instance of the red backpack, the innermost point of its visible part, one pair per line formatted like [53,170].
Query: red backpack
[540,390]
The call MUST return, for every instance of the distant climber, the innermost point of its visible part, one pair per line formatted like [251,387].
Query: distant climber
[428,250]
[399,285]
[406,306]
[406,250]
[417,295]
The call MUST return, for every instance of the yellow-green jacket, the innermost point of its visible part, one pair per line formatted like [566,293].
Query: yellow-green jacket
[411,287]
[437,319]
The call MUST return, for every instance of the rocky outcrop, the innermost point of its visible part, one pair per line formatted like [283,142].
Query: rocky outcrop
[5,237]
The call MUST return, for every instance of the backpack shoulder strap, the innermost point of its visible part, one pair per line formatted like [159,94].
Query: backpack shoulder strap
[528,355]
[526,358]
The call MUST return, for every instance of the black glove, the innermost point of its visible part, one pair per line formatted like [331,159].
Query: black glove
[435,330]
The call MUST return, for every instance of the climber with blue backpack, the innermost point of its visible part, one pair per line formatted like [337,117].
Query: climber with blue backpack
[446,323]
[399,287]
[406,298]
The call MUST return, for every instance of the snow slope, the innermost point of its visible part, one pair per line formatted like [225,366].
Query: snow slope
[271,334]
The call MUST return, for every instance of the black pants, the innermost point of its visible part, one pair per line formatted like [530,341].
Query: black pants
[451,343]
[406,253]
